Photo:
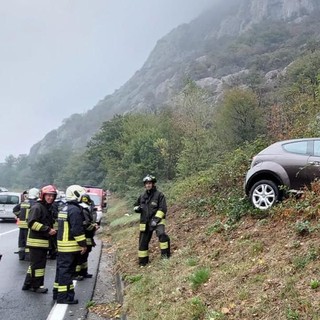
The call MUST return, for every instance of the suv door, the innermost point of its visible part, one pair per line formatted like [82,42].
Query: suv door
[295,162]
[313,165]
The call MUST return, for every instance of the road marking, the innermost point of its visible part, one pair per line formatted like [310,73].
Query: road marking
[2,234]
[59,310]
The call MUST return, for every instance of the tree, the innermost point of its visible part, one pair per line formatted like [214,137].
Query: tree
[193,115]
[239,118]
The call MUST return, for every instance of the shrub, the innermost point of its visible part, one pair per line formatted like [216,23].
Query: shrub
[199,277]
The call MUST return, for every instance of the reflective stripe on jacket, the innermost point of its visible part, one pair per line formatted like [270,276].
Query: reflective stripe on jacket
[40,222]
[71,234]
[152,204]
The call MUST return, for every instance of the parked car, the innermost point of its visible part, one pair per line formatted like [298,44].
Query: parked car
[285,165]
[8,200]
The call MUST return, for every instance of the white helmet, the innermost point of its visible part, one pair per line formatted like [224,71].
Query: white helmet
[33,193]
[74,193]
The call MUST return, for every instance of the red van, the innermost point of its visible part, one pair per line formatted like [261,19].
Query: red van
[100,192]
[99,197]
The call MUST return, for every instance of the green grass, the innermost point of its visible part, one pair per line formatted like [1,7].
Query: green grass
[199,277]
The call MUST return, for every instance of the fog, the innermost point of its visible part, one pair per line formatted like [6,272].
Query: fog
[62,57]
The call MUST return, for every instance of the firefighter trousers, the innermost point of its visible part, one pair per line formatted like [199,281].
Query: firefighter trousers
[63,289]
[22,242]
[35,274]
[144,240]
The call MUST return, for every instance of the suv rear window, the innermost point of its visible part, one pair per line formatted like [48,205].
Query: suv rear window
[9,199]
[299,147]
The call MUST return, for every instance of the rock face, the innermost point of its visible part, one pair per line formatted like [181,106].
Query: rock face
[254,11]
[194,50]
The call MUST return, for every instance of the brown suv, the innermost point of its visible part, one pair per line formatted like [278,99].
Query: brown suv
[292,164]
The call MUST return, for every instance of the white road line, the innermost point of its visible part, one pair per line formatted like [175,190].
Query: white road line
[2,234]
[59,310]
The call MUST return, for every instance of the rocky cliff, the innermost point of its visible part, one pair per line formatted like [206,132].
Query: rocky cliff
[196,50]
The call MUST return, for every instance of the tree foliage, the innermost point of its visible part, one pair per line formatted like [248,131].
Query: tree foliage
[239,118]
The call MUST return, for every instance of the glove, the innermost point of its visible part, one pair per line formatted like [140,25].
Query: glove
[154,222]
[137,209]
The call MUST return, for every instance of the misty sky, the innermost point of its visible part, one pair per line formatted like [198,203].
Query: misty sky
[60,57]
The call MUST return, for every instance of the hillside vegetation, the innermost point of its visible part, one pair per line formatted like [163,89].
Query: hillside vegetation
[253,267]
[233,95]
[267,55]
[229,261]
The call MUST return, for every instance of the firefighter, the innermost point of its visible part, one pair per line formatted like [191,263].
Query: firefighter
[90,228]
[58,204]
[152,208]
[22,212]
[40,224]
[71,243]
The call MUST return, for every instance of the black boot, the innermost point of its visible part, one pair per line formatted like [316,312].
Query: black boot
[68,301]
[22,254]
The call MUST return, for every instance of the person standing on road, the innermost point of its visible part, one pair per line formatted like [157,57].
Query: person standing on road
[71,244]
[90,228]
[152,208]
[22,213]
[40,224]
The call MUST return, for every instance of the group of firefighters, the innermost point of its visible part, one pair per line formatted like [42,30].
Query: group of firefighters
[47,226]
[65,230]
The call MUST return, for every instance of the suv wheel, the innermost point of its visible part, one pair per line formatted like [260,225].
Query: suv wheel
[264,194]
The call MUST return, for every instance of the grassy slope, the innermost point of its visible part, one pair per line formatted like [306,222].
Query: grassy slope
[257,269]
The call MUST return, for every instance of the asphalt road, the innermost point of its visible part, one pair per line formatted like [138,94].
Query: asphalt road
[16,304]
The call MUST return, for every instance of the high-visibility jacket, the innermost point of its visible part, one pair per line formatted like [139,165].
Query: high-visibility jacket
[22,211]
[71,233]
[152,205]
[40,221]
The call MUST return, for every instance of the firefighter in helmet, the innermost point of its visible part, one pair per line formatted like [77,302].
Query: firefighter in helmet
[90,228]
[71,243]
[152,208]
[40,224]
[22,213]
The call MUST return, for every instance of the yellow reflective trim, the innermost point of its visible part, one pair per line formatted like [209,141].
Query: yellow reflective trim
[62,215]
[55,285]
[68,246]
[36,226]
[27,213]
[159,214]
[78,268]
[29,270]
[62,288]
[80,238]
[164,245]
[142,227]
[65,231]
[23,224]
[31,242]
[163,221]
[39,273]
[143,254]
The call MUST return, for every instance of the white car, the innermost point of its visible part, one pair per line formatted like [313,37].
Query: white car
[8,200]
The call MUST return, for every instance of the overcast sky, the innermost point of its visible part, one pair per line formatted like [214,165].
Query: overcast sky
[60,57]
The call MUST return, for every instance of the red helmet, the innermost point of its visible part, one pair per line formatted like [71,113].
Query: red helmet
[50,189]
